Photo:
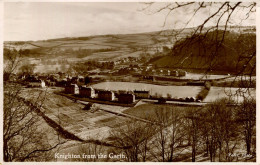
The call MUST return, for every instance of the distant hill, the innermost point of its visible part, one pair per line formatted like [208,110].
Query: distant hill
[207,51]
[111,47]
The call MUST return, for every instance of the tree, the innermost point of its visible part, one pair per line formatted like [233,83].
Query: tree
[169,134]
[246,116]
[177,132]
[23,138]
[133,138]
[91,152]
[209,25]
[88,80]
[162,118]
[192,124]
[222,135]
[12,59]
[27,69]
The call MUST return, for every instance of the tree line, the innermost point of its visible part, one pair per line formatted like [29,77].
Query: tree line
[216,132]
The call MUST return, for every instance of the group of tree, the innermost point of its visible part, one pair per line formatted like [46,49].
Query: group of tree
[218,41]
[82,68]
[207,51]
[26,136]
[215,132]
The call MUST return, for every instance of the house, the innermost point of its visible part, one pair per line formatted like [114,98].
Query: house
[182,73]
[147,77]
[62,83]
[126,98]
[168,73]
[74,80]
[50,83]
[174,73]
[142,94]
[106,95]
[87,92]
[37,83]
[72,89]
[81,78]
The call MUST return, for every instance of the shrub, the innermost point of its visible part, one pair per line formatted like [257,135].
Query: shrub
[204,92]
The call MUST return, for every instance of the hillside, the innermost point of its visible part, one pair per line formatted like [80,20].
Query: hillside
[115,47]
[121,43]
[201,52]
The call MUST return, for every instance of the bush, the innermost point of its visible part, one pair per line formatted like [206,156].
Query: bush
[207,85]
[204,92]
[161,100]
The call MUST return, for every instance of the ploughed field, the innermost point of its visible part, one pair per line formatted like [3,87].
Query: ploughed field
[174,91]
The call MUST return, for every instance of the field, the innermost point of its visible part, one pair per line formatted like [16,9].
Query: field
[201,76]
[112,55]
[126,45]
[234,93]
[174,91]
[49,68]
[148,111]
[73,118]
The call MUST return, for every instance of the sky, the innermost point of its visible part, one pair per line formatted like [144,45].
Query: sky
[25,21]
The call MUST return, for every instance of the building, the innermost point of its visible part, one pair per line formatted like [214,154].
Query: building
[62,83]
[142,94]
[37,83]
[174,73]
[126,98]
[87,92]
[50,83]
[106,95]
[72,89]
[182,73]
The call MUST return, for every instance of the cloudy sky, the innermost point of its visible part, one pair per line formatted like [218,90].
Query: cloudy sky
[46,20]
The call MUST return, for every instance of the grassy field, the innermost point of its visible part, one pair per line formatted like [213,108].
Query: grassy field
[49,68]
[148,111]
[174,91]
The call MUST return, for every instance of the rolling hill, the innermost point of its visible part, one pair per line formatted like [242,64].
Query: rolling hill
[195,53]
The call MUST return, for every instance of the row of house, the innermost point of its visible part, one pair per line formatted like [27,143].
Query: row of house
[176,73]
[37,83]
[35,80]
[106,95]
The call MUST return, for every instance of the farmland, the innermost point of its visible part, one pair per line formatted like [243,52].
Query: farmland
[117,46]
[72,117]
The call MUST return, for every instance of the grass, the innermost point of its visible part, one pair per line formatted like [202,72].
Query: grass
[148,111]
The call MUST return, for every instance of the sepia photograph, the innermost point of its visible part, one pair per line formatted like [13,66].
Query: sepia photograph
[132,81]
